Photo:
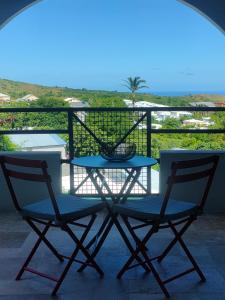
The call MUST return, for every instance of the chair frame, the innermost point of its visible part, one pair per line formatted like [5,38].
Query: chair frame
[58,222]
[162,223]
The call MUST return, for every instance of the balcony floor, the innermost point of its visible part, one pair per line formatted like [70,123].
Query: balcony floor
[206,240]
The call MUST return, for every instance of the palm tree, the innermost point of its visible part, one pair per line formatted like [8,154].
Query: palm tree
[134,84]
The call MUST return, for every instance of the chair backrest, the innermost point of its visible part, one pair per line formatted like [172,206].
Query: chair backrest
[8,165]
[203,168]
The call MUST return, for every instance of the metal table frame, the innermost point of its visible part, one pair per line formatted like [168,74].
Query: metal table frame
[93,166]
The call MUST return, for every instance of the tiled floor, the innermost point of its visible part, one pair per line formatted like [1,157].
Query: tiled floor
[206,240]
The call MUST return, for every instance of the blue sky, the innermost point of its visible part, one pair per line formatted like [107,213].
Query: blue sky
[96,44]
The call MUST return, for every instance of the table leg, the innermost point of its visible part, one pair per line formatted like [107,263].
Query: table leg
[99,244]
[105,227]
[126,188]
[137,181]
[131,184]
[128,244]
[111,218]
[98,234]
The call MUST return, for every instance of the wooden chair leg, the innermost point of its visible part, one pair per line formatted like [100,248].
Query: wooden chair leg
[83,249]
[129,246]
[141,249]
[45,240]
[188,253]
[115,221]
[71,258]
[41,238]
[135,252]
[174,241]
[148,261]
[99,245]
[101,230]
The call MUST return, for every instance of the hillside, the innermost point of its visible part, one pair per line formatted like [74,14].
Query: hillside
[208,97]
[17,89]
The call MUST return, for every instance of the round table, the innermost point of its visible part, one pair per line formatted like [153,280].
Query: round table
[133,166]
[97,162]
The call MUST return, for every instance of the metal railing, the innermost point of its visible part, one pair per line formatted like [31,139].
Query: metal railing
[88,128]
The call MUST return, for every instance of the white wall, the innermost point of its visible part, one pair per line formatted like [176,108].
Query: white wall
[189,192]
[60,149]
[27,191]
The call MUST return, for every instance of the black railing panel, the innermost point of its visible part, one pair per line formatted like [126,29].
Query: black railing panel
[86,129]
[95,129]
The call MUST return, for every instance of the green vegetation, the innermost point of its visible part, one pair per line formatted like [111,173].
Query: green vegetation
[6,144]
[44,101]
[109,127]
[94,97]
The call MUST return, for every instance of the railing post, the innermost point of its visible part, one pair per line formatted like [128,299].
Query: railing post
[149,148]
[71,149]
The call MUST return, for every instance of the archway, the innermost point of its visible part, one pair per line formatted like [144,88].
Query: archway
[214,10]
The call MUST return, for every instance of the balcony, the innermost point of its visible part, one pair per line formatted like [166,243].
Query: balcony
[80,126]
[205,240]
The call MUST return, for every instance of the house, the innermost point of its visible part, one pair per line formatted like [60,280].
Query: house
[72,100]
[77,103]
[29,98]
[158,115]
[148,104]
[156,126]
[203,103]
[220,104]
[161,115]
[206,118]
[142,126]
[128,102]
[180,114]
[4,97]
[39,142]
[198,123]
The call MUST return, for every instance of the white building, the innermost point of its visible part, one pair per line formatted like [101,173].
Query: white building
[29,98]
[156,126]
[198,123]
[206,118]
[203,103]
[148,104]
[77,103]
[161,115]
[158,115]
[141,126]
[39,142]
[179,114]
[128,102]
[4,97]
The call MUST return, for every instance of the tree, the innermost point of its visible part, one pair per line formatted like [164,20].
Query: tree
[134,84]
[49,102]
[171,123]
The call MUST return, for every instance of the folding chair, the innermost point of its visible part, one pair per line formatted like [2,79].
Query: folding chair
[56,211]
[159,212]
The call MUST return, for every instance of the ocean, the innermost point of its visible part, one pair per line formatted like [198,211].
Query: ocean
[186,93]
